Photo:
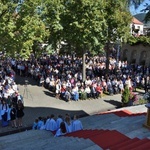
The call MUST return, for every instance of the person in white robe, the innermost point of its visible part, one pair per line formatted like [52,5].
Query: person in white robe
[76,125]
[58,121]
[51,124]
[61,131]
[43,127]
[35,123]
[47,123]
[14,86]
[68,124]
[40,123]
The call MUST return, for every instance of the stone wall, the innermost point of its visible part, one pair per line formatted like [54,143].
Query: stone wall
[138,54]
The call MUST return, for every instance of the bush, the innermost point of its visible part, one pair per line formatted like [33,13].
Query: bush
[125,95]
[145,40]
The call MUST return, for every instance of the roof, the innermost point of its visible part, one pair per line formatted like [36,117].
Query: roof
[136,21]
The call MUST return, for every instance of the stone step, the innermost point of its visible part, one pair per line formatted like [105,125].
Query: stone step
[137,109]
[139,133]
[121,123]
[98,117]
[93,147]
[100,121]
[25,135]
[77,143]
[135,122]
[131,126]
[37,139]
[126,125]
[101,116]
[19,140]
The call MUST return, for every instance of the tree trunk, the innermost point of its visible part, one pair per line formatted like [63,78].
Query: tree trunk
[107,57]
[83,66]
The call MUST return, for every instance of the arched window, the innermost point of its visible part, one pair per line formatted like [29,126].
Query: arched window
[143,57]
[133,56]
[125,54]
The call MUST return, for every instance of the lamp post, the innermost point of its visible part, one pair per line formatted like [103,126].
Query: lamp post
[72,57]
[118,50]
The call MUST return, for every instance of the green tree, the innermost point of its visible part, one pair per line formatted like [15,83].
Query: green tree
[118,19]
[21,27]
[7,23]
[30,28]
[83,25]
[52,10]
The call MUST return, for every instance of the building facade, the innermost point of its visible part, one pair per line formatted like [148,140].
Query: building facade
[137,54]
[141,18]
[136,27]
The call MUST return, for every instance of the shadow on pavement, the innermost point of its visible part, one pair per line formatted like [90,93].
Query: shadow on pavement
[31,113]
[25,80]
[115,103]
[48,93]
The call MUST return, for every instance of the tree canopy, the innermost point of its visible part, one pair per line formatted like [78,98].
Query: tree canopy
[7,23]
[83,24]
[21,27]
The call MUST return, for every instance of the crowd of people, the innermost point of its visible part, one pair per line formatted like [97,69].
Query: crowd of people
[62,74]
[60,126]
[11,102]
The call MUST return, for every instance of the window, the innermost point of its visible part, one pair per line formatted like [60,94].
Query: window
[138,27]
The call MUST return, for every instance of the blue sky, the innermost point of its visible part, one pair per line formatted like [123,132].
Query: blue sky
[133,11]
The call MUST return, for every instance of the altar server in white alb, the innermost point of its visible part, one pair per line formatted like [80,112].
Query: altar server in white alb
[62,130]
[68,123]
[76,125]
[59,120]
[51,124]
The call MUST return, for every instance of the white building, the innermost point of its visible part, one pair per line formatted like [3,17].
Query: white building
[136,27]
[141,18]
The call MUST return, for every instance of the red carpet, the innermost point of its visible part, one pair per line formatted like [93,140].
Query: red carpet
[112,140]
[124,143]
[135,144]
[108,138]
[144,146]
[123,113]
